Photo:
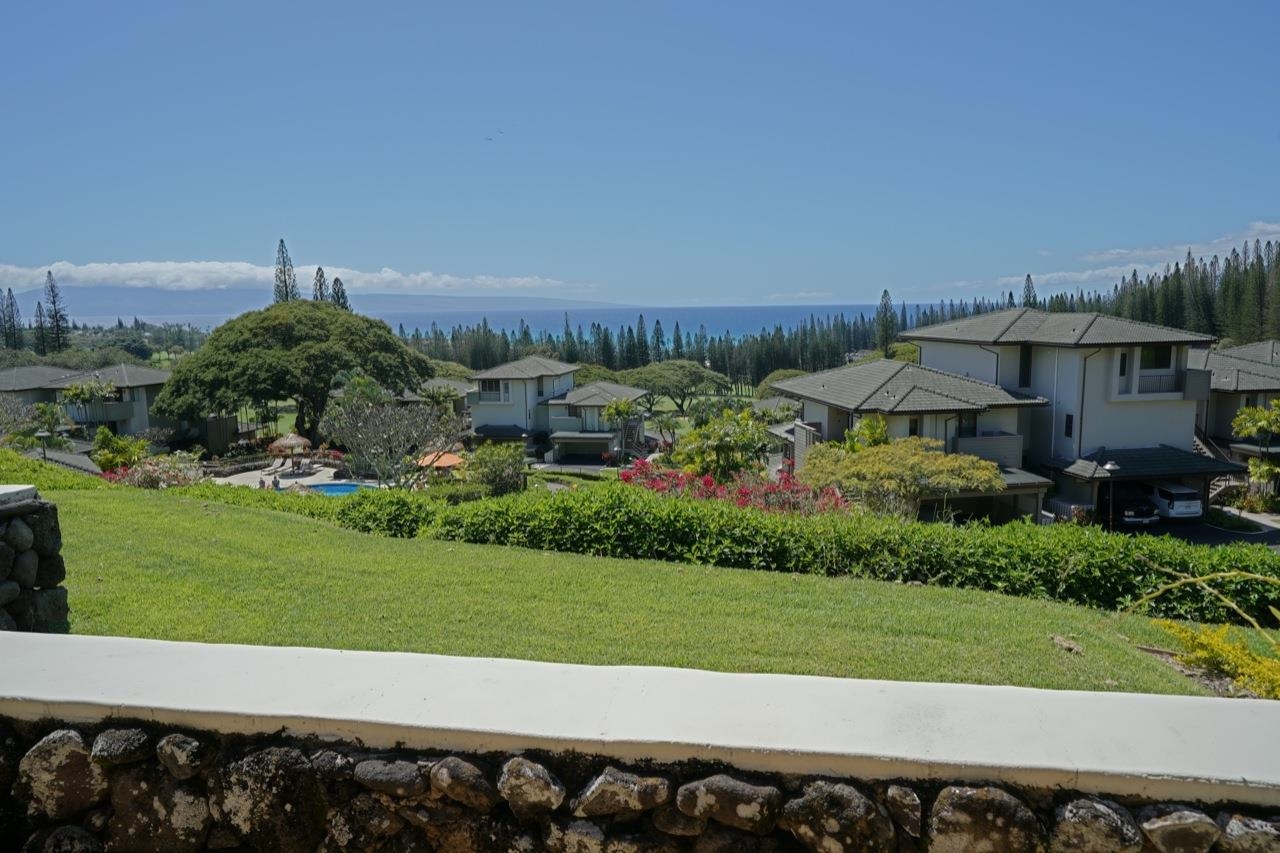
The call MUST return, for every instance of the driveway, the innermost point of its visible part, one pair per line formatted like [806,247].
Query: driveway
[1199,533]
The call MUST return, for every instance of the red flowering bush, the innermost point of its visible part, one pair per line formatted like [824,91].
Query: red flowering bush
[747,490]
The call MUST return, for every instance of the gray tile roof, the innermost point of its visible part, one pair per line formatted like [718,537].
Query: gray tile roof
[120,375]
[1266,352]
[527,368]
[1252,367]
[459,387]
[1030,326]
[1144,463]
[896,387]
[599,394]
[500,432]
[28,378]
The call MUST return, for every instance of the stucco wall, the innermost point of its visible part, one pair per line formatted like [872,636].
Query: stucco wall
[965,359]
[1133,420]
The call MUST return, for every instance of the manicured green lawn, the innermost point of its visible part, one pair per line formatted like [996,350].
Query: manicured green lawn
[149,564]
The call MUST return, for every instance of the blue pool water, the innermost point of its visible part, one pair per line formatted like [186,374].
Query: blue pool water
[337,488]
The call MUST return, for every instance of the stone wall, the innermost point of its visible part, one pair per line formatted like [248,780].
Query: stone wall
[125,786]
[31,568]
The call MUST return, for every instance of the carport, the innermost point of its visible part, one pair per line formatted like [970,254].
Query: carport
[1080,479]
[578,446]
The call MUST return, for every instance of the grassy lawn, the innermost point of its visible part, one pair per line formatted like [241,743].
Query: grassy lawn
[148,564]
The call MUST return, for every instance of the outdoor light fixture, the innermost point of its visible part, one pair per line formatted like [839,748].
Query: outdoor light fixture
[43,435]
[1111,468]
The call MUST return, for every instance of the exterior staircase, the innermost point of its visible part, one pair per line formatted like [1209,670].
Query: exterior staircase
[1206,446]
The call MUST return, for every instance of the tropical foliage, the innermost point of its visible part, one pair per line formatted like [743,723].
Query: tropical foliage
[746,490]
[111,451]
[497,466]
[725,446]
[1260,423]
[892,479]
[386,438]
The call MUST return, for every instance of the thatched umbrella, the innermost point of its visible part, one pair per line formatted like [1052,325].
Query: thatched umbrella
[291,445]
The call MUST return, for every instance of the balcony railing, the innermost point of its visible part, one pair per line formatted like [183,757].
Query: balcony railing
[1162,383]
[490,396]
[119,410]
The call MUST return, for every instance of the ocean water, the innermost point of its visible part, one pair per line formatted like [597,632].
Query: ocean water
[735,319]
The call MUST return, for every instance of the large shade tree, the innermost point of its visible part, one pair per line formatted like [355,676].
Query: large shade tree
[289,351]
[678,380]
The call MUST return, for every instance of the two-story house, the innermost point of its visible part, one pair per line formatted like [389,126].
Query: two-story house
[580,431]
[508,403]
[1121,394]
[128,412]
[1240,376]
[967,415]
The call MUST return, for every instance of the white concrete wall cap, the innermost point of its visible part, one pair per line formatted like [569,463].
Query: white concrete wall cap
[1163,747]
[11,494]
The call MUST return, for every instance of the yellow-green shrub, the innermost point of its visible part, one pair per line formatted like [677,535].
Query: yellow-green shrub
[1224,650]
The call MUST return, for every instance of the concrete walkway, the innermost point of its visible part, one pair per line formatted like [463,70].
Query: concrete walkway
[1162,747]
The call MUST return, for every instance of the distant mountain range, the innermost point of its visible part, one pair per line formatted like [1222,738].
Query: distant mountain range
[207,308]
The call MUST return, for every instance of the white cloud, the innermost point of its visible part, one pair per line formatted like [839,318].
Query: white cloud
[1111,274]
[221,275]
[1256,230]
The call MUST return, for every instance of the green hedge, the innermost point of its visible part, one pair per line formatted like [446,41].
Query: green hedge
[45,476]
[388,512]
[1081,565]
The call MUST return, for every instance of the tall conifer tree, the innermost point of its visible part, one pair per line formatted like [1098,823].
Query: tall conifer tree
[885,322]
[55,316]
[1029,299]
[319,286]
[286,287]
[15,314]
[338,295]
[42,331]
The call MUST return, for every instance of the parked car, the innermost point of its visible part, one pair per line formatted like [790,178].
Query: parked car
[1174,500]
[1132,507]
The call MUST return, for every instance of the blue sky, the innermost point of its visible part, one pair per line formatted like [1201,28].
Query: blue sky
[656,153]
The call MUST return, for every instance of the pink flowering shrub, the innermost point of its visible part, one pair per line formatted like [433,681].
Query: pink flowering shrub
[746,490]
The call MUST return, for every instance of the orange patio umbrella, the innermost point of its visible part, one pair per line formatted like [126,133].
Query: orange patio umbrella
[440,460]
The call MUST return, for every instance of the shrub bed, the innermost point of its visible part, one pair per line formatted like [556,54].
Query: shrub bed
[1079,565]
[388,512]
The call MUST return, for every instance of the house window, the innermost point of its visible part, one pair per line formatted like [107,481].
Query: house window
[495,390]
[1024,366]
[968,425]
[1250,401]
[539,386]
[913,426]
[1124,364]
[1157,357]
[1070,422]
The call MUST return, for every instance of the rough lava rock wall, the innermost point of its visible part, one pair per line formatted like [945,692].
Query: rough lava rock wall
[128,787]
[31,569]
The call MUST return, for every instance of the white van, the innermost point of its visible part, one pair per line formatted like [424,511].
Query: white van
[1174,500]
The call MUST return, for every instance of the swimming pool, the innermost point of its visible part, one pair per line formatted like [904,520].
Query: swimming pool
[337,488]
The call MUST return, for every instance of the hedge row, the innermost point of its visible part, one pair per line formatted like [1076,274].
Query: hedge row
[1080,565]
[384,511]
